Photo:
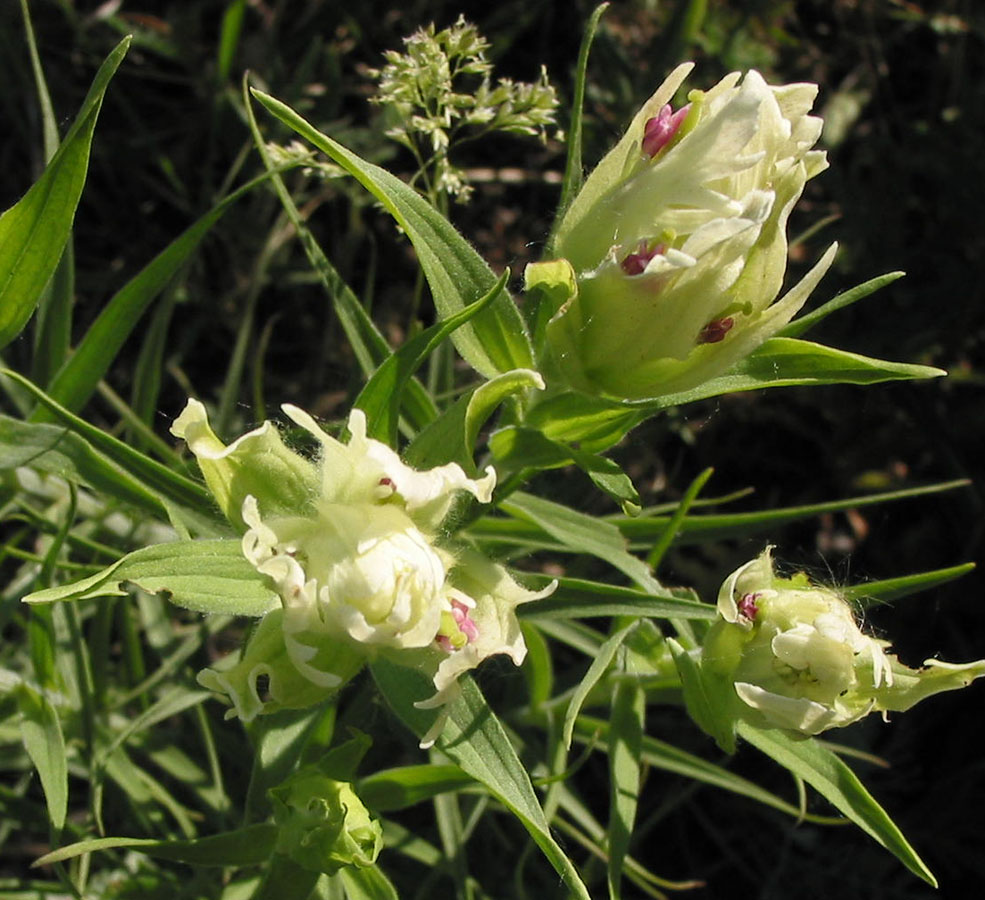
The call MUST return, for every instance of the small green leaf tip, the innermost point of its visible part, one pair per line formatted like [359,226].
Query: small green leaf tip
[788,654]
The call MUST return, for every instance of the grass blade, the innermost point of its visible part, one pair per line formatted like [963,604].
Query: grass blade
[35,230]
[838,784]
[493,342]
[474,738]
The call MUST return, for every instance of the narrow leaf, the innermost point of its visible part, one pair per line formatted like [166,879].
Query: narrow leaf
[243,847]
[518,448]
[576,598]
[474,738]
[798,326]
[495,341]
[890,589]
[393,789]
[34,231]
[152,474]
[594,423]
[710,705]
[368,345]
[706,528]
[627,723]
[452,437]
[367,884]
[573,167]
[381,398]
[53,325]
[52,449]
[210,576]
[785,362]
[838,784]
[76,381]
[595,671]
[581,533]
[41,733]
[669,758]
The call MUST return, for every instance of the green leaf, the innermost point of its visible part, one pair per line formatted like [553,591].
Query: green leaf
[698,529]
[839,785]
[159,478]
[785,362]
[41,733]
[495,341]
[53,324]
[890,589]
[573,167]
[538,667]
[515,448]
[34,231]
[243,847]
[367,884]
[279,741]
[667,536]
[710,704]
[77,379]
[229,37]
[368,345]
[576,598]
[393,789]
[547,286]
[669,758]
[626,735]
[284,879]
[594,423]
[474,738]
[381,398]
[209,576]
[595,671]
[798,326]
[53,449]
[452,436]
[582,534]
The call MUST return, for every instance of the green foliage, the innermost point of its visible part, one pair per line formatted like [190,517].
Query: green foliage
[567,771]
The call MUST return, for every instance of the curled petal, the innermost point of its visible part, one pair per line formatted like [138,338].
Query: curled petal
[257,464]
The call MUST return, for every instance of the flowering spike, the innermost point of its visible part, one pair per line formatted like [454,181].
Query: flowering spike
[351,545]
[788,654]
[719,177]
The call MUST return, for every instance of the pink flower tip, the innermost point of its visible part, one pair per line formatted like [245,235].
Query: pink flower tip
[660,130]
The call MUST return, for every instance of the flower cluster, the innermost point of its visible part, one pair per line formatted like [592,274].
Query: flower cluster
[677,240]
[442,86]
[350,543]
[791,655]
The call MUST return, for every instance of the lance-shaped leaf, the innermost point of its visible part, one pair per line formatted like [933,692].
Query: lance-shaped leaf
[206,576]
[452,437]
[785,362]
[474,738]
[496,340]
[838,784]
[34,231]
[243,847]
[381,398]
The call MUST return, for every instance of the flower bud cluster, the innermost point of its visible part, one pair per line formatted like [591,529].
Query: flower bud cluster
[678,238]
[792,656]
